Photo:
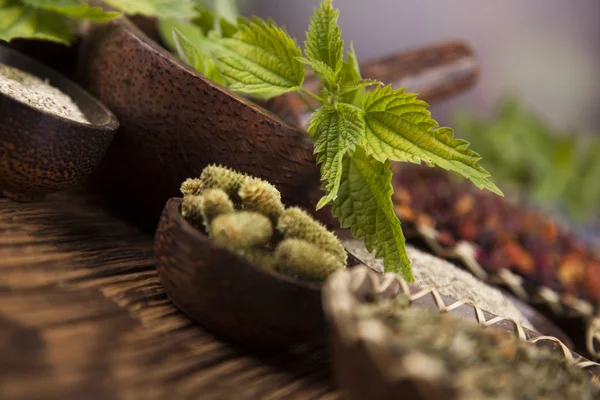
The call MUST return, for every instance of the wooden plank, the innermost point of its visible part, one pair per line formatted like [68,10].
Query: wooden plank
[83,315]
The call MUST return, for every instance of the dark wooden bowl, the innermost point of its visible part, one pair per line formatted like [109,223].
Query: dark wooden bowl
[362,360]
[41,152]
[174,122]
[241,301]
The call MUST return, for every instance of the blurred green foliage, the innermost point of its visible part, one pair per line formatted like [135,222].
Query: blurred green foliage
[553,167]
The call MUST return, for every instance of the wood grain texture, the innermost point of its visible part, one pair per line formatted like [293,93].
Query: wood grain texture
[83,315]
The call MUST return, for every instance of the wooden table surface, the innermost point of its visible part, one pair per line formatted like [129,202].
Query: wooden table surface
[83,316]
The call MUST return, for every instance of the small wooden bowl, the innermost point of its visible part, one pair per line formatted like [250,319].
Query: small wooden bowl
[41,152]
[241,301]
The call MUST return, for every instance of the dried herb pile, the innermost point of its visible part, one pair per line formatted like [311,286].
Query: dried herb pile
[507,236]
[443,356]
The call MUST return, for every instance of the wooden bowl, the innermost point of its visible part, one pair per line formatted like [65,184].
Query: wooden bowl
[41,152]
[241,301]
[174,122]
[362,357]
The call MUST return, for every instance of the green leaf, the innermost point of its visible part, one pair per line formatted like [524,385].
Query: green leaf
[205,20]
[336,131]
[226,9]
[324,38]
[361,84]
[20,21]
[260,59]
[521,150]
[587,187]
[74,9]
[189,30]
[224,21]
[351,73]
[399,127]
[156,8]
[322,70]
[364,204]
[192,56]
[228,29]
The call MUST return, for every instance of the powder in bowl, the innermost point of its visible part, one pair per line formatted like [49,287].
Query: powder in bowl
[35,92]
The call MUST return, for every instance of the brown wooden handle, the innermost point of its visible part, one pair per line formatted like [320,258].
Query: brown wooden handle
[435,72]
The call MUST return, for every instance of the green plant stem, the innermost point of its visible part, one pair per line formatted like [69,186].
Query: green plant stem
[310,94]
[305,101]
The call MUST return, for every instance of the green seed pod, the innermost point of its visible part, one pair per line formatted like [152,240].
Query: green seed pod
[191,187]
[306,261]
[228,180]
[191,210]
[295,223]
[260,196]
[241,229]
[257,255]
[214,203]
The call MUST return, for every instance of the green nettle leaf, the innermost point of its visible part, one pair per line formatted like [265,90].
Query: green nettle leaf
[260,59]
[74,9]
[205,20]
[361,84]
[520,149]
[351,73]
[226,9]
[228,29]
[586,188]
[364,204]
[399,127]
[324,38]
[322,70]
[188,30]
[336,129]
[156,8]
[21,21]
[190,54]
